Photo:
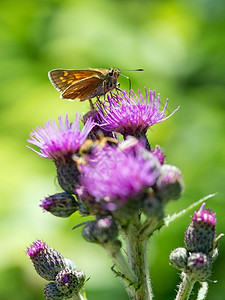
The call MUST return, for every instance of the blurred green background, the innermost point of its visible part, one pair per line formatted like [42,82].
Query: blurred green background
[181,46]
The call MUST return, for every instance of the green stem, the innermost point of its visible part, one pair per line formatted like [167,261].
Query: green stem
[122,265]
[125,272]
[185,287]
[138,259]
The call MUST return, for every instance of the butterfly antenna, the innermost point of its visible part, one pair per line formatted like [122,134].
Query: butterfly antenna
[128,77]
[132,70]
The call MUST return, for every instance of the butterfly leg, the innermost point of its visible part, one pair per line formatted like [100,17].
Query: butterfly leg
[91,105]
[104,88]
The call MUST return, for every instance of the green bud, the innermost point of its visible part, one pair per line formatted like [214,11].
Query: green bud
[199,266]
[101,231]
[178,258]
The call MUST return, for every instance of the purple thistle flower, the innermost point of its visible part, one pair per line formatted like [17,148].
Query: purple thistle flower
[129,114]
[114,175]
[60,142]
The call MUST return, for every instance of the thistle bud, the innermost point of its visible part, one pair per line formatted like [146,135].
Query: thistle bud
[69,264]
[199,266]
[152,206]
[70,282]
[60,205]
[51,292]
[169,184]
[178,258]
[101,231]
[47,261]
[67,174]
[200,234]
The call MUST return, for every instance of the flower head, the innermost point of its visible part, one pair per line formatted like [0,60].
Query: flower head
[200,234]
[60,141]
[47,261]
[115,175]
[129,114]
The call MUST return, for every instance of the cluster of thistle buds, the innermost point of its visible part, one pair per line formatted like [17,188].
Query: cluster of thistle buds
[201,247]
[109,170]
[65,280]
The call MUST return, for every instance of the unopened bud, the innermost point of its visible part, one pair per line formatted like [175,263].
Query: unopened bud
[60,205]
[70,282]
[169,184]
[101,231]
[67,174]
[178,258]
[47,261]
[200,234]
[199,266]
[51,292]
[152,206]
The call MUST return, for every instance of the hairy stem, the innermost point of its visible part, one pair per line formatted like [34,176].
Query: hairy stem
[185,287]
[138,259]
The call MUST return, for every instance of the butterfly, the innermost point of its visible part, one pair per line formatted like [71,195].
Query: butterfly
[84,84]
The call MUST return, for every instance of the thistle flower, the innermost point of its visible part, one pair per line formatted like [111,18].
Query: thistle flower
[60,205]
[115,175]
[200,234]
[129,114]
[60,143]
[47,261]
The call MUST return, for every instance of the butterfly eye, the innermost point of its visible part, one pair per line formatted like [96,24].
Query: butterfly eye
[111,73]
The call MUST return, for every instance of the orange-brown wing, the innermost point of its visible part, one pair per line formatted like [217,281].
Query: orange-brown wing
[62,79]
[83,89]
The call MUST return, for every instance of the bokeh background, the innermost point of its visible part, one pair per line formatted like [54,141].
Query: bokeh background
[181,46]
